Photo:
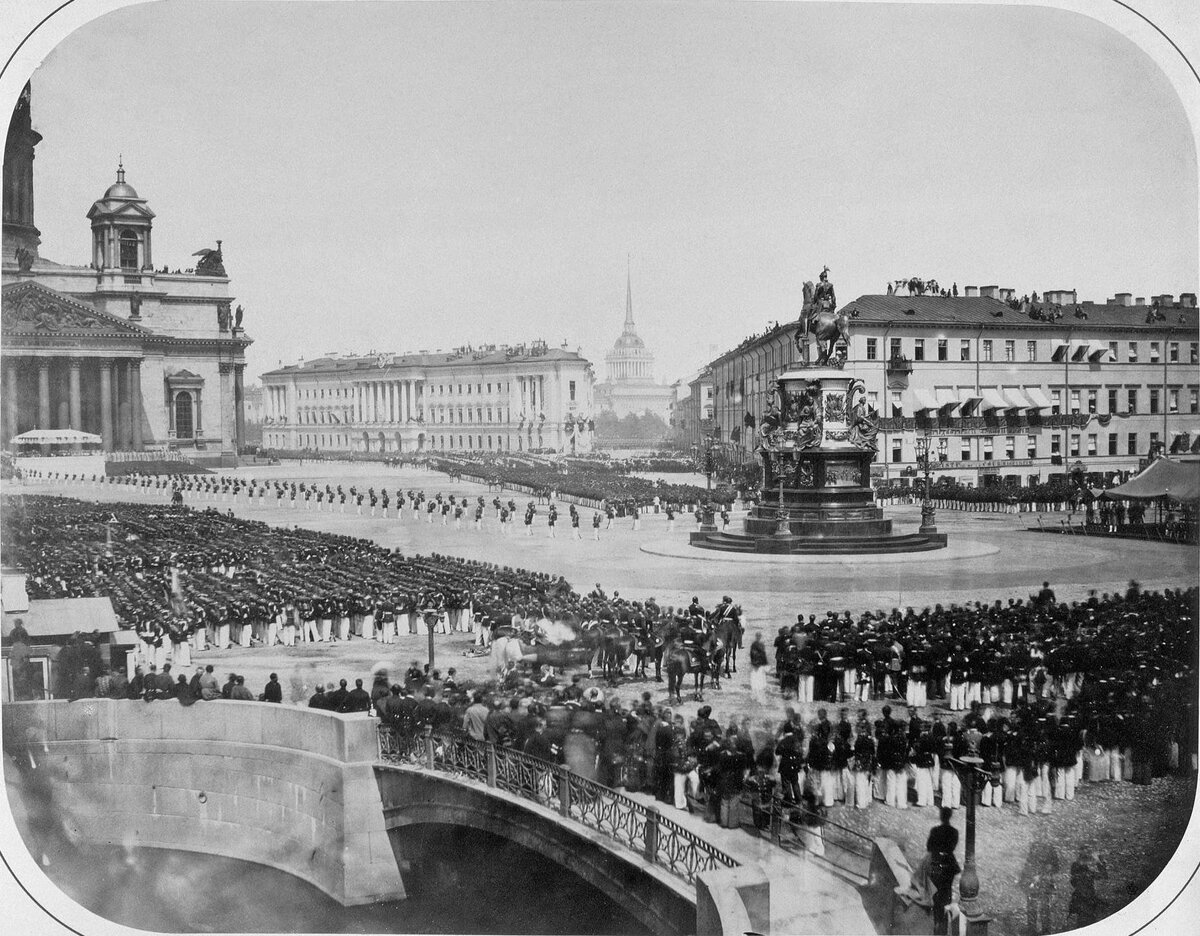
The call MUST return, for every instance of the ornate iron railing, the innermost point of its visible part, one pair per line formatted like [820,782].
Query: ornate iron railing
[793,827]
[637,826]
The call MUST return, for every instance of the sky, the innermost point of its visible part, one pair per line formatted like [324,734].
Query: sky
[408,176]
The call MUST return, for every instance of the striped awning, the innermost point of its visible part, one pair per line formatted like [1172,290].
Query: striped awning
[946,398]
[1037,398]
[992,400]
[922,400]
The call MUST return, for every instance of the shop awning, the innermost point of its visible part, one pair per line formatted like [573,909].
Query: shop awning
[992,400]
[970,400]
[1016,399]
[1082,350]
[1037,398]
[61,617]
[1060,350]
[922,400]
[1100,351]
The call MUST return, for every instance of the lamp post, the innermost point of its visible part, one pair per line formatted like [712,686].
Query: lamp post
[928,515]
[968,884]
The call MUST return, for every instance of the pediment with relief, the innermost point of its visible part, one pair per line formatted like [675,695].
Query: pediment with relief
[31,309]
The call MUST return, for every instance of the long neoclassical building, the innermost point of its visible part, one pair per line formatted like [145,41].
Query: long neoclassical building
[490,399]
[146,358]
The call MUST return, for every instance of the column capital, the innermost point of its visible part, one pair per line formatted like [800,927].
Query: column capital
[225,367]
[43,363]
[74,363]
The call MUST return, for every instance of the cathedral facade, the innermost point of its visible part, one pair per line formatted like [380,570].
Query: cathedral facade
[147,359]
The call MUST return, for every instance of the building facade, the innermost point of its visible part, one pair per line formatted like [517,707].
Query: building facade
[494,399]
[694,408]
[629,385]
[142,357]
[999,394]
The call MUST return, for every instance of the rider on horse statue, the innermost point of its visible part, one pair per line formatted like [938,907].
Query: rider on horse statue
[820,319]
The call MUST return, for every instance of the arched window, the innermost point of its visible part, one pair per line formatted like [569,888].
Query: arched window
[184,422]
[129,250]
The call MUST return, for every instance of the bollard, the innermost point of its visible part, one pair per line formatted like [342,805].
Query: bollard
[652,820]
[491,763]
[429,746]
[564,789]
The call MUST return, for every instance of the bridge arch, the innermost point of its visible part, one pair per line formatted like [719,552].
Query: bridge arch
[660,901]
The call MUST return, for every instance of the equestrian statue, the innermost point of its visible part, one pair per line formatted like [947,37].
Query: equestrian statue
[821,319]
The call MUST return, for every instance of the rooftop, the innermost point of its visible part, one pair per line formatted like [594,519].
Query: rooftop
[383,364]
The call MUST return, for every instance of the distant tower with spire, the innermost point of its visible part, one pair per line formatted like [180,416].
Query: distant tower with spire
[629,386]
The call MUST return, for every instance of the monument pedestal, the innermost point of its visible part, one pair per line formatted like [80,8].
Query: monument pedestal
[817,449]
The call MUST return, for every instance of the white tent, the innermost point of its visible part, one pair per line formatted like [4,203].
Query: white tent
[56,437]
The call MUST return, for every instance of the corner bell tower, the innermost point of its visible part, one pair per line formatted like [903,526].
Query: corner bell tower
[20,234]
[121,223]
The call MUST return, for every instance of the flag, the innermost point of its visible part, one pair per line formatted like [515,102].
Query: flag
[748,420]
[736,434]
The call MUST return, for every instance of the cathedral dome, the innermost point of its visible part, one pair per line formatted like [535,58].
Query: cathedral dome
[628,340]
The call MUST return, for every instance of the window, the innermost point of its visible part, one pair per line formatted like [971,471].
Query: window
[987,448]
[965,448]
[1091,443]
[897,451]
[1173,400]
[1131,394]
[1075,445]
[1074,401]
[1153,443]
[895,350]
[489,391]
[1112,400]
[1056,444]
[1194,352]
[987,349]
[872,349]
[897,405]
[1133,352]
[1055,402]
[1112,350]
[943,349]
[1091,401]
[873,400]
[964,350]
[1031,446]
[129,250]
[1112,443]
[943,449]
[1010,447]
[1194,400]
[1131,444]
[1154,352]
[570,390]
[1010,350]
[1031,350]
[1173,352]
[918,349]
[1154,399]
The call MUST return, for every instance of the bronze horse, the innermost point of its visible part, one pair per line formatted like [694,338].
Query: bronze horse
[827,327]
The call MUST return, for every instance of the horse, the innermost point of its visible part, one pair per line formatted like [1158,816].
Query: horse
[651,649]
[700,662]
[827,327]
[617,647]
[728,631]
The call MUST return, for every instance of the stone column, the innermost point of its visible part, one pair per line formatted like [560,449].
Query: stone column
[121,405]
[43,366]
[75,411]
[135,404]
[11,427]
[106,392]
[225,407]
[239,403]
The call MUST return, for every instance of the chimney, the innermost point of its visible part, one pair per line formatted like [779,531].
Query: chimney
[1008,295]
[1166,299]
[989,292]
[1187,300]
[1140,300]
[971,292]
[1123,299]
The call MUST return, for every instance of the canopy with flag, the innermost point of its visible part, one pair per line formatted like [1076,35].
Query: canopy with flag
[1179,481]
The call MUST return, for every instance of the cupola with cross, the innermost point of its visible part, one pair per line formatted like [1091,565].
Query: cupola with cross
[121,229]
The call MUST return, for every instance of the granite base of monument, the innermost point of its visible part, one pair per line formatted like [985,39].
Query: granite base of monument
[817,442]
